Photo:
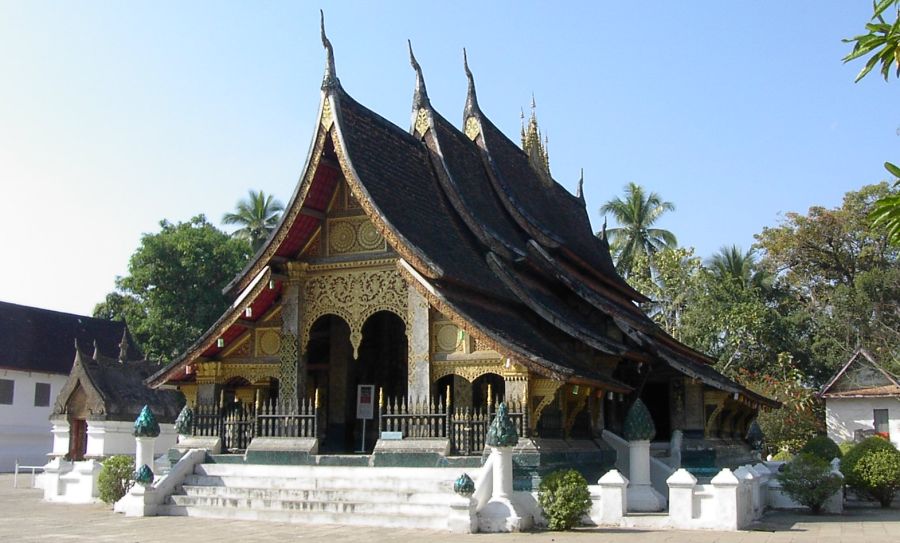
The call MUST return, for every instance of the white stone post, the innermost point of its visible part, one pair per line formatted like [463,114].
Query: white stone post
[613,497]
[747,476]
[144,452]
[503,472]
[641,494]
[681,497]
[835,504]
[725,487]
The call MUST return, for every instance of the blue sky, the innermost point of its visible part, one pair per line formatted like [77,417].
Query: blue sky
[115,115]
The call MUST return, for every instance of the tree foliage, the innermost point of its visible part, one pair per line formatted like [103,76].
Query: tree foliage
[872,468]
[882,40]
[172,292]
[257,215]
[565,499]
[115,478]
[636,214]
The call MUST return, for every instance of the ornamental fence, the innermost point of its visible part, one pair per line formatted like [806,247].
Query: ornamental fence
[238,423]
[465,427]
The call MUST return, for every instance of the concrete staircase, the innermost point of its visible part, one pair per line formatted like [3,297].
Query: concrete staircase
[361,496]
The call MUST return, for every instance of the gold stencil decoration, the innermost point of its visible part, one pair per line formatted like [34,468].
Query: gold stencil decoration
[353,295]
[447,338]
[422,124]
[327,114]
[472,128]
[341,237]
[269,343]
[350,235]
[369,238]
[287,369]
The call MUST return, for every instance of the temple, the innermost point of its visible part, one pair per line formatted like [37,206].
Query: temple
[432,273]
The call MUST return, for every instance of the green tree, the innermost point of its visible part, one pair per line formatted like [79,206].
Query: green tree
[257,215]
[839,282]
[882,41]
[173,290]
[636,214]
[734,265]
[673,280]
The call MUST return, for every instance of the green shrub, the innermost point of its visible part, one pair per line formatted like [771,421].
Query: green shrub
[878,474]
[845,447]
[851,459]
[823,447]
[564,497]
[808,480]
[783,456]
[116,478]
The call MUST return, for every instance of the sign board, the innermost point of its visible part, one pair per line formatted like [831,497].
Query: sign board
[365,401]
[391,436]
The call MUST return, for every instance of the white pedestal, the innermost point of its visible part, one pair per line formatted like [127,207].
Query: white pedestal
[642,497]
[144,452]
[501,513]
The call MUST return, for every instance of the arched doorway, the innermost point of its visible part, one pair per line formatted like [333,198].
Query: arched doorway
[382,362]
[328,356]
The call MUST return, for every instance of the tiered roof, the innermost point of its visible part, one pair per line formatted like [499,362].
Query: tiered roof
[498,247]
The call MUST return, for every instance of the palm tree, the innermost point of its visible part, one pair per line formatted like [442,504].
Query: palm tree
[732,264]
[257,215]
[636,214]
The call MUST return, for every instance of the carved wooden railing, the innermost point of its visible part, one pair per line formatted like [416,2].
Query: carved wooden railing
[465,427]
[238,424]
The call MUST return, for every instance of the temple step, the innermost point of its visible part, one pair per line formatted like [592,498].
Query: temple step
[362,496]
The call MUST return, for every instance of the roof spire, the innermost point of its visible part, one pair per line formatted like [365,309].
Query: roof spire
[96,351]
[580,193]
[603,231]
[123,345]
[420,99]
[534,147]
[330,80]
[471,98]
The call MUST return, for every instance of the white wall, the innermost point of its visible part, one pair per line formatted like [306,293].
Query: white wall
[24,428]
[845,415]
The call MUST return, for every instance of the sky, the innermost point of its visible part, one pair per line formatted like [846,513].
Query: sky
[116,115]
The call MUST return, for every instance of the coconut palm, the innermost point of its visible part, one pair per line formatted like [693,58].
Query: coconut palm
[636,215]
[257,216]
[732,264]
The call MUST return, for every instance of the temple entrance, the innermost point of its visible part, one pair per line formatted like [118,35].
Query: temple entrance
[656,397]
[331,370]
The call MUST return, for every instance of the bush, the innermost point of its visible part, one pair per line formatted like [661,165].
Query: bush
[116,478]
[845,447]
[564,497]
[808,480]
[823,447]
[877,474]
[851,459]
[783,456]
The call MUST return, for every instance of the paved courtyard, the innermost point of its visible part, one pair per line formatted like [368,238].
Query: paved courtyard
[25,517]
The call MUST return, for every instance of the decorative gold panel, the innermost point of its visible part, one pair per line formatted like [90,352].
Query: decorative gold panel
[472,128]
[222,372]
[268,342]
[545,389]
[445,337]
[353,295]
[327,114]
[467,369]
[350,235]
[422,124]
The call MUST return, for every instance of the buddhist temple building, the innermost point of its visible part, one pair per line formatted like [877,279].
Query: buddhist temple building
[445,267]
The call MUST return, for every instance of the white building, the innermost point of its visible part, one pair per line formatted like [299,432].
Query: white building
[862,399]
[36,354]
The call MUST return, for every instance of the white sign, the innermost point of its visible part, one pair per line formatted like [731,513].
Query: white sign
[365,401]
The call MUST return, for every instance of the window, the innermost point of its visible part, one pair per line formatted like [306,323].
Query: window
[6,391]
[41,394]
[881,421]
